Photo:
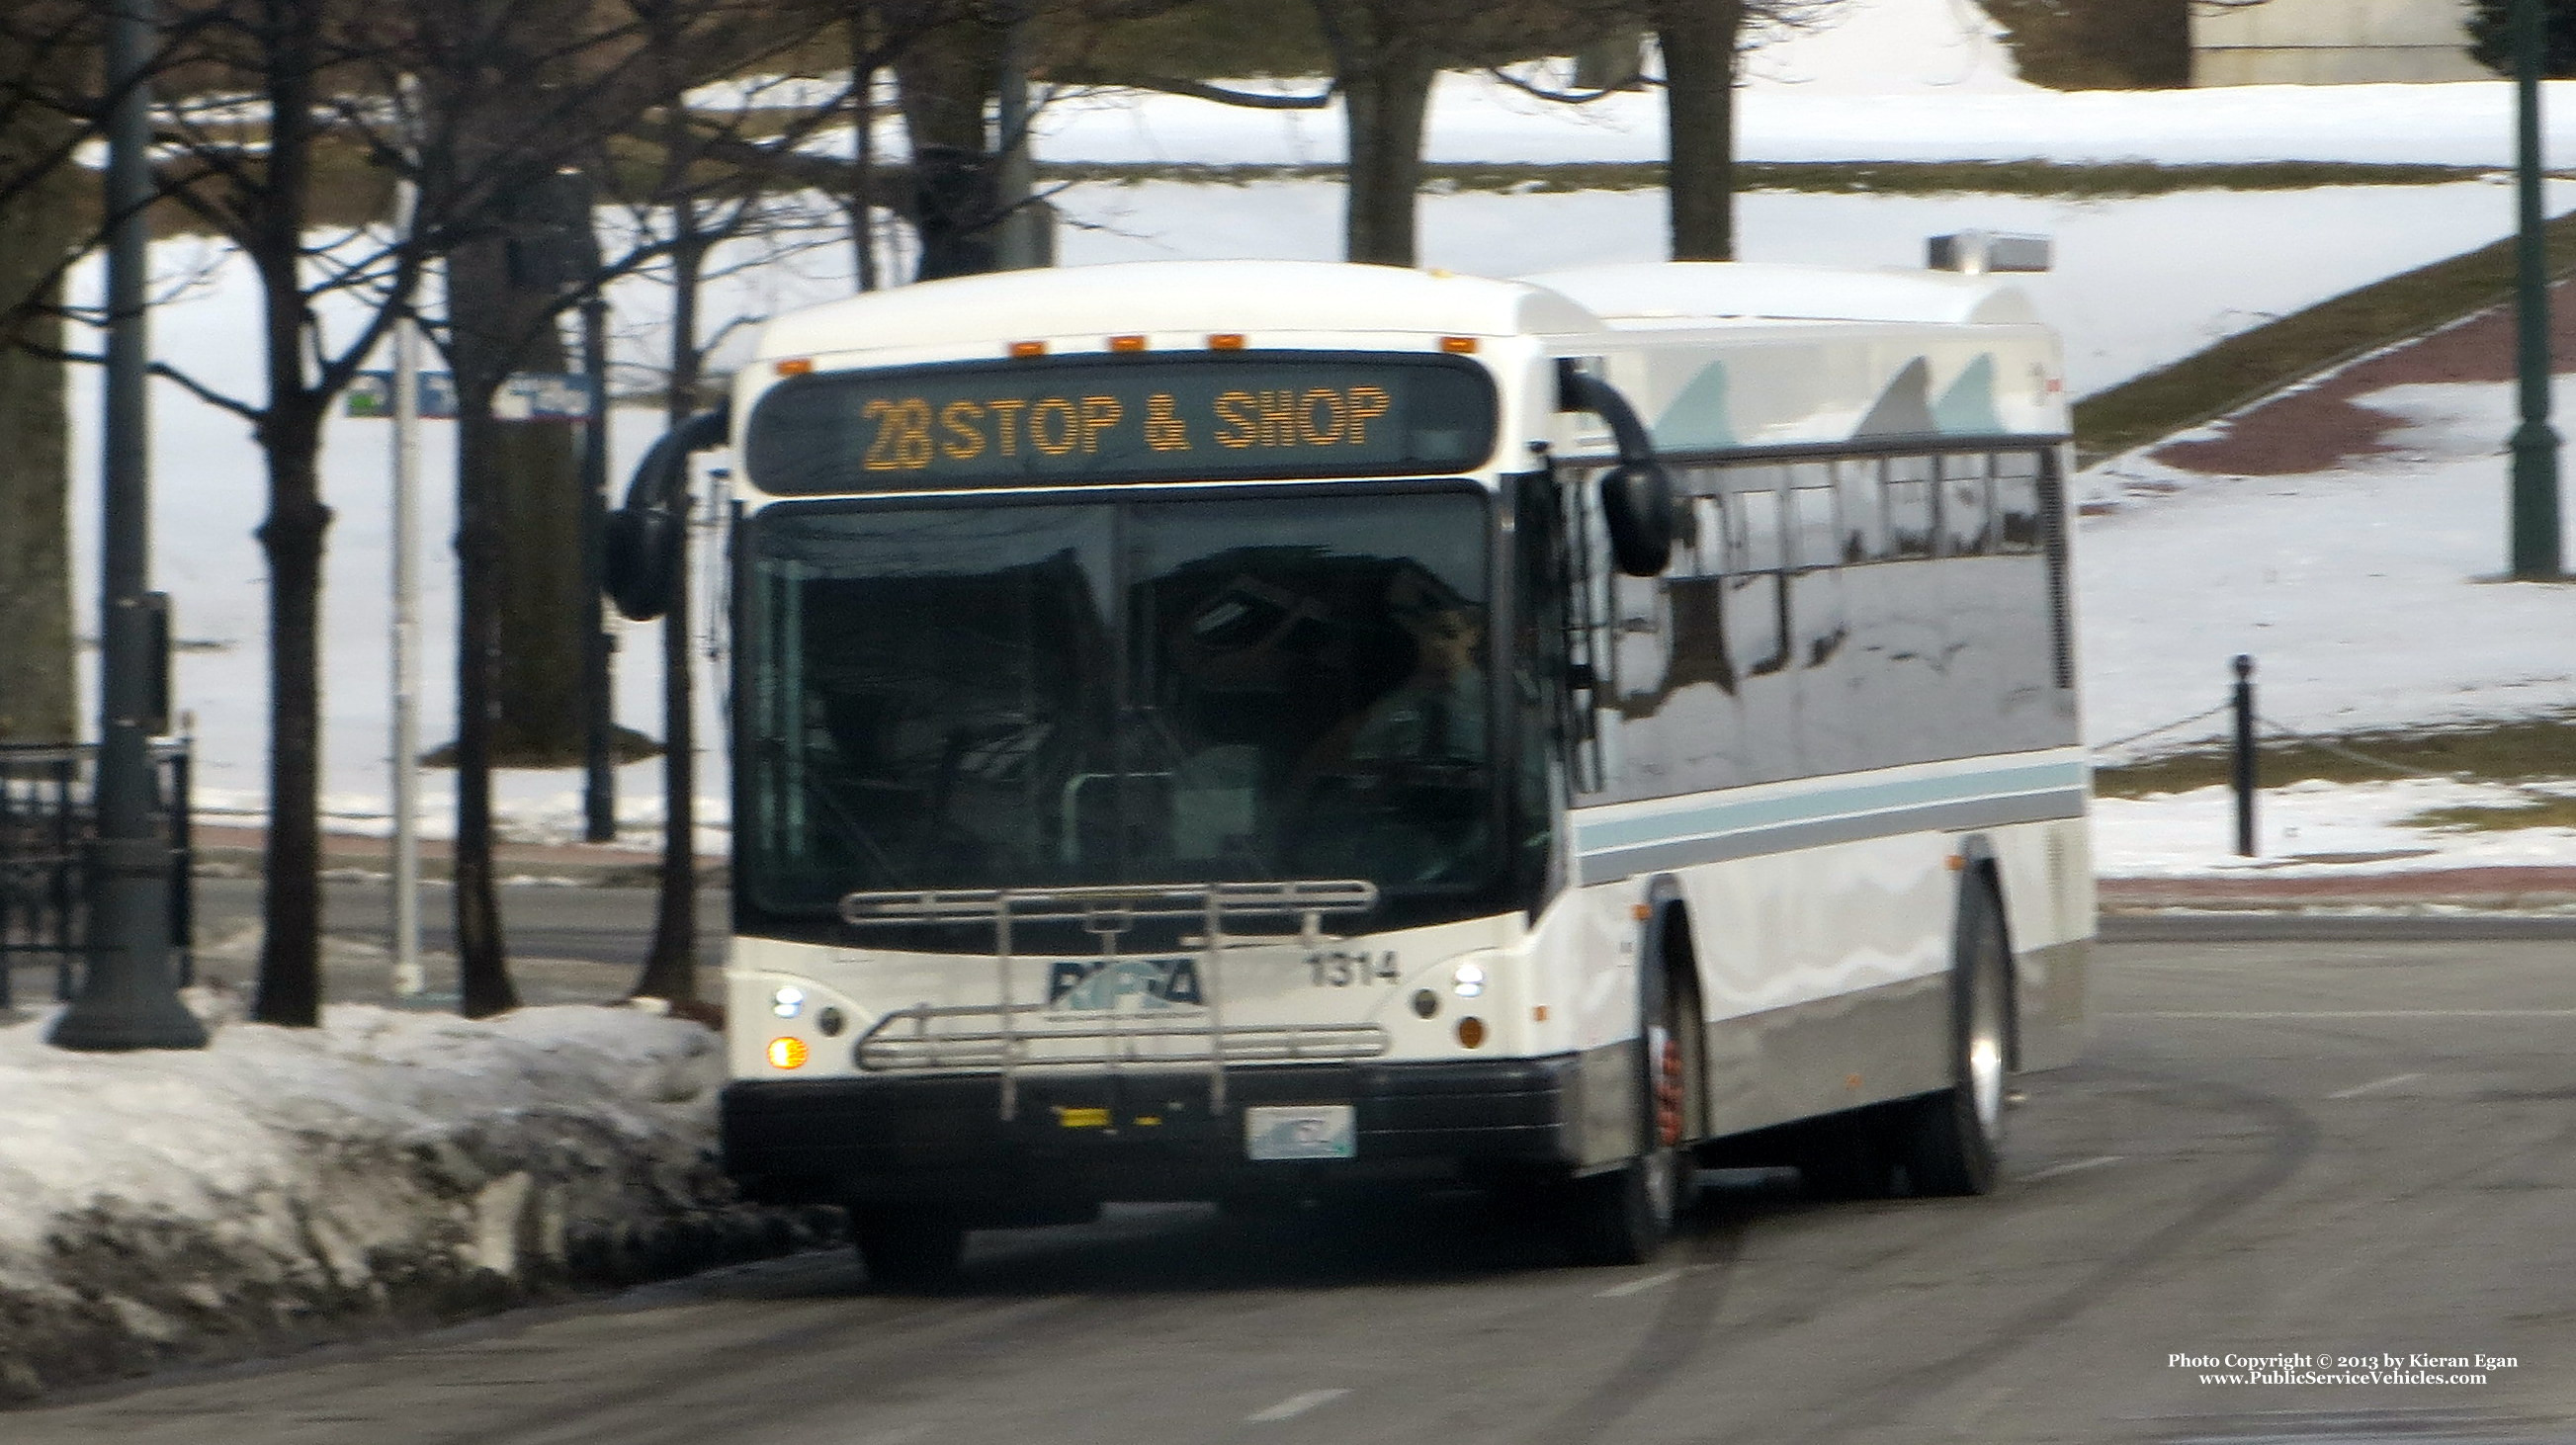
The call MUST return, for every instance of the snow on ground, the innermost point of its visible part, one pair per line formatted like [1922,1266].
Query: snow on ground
[1905,114]
[2139,282]
[2367,596]
[2317,829]
[284,1185]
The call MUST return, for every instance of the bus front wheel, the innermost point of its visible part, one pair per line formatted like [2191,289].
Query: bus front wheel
[907,1249]
[1624,1216]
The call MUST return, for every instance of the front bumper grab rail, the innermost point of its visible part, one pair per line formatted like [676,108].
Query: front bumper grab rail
[1107,910]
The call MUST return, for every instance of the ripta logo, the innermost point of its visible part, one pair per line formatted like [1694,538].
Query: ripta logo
[1135,985]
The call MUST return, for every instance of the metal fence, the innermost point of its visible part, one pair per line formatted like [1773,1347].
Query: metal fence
[47,819]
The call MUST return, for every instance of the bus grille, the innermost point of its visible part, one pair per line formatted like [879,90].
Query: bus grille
[929,1040]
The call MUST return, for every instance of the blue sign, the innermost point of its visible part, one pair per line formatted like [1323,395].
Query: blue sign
[528,396]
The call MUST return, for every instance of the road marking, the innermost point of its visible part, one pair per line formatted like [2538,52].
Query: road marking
[2359,1089]
[1293,1406]
[2387,1013]
[1638,1286]
[2054,1170]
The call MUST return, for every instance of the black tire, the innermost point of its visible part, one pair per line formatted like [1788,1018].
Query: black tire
[908,1249]
[1625,1216]
[1952,1142]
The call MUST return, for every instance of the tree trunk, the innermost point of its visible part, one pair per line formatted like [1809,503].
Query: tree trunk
[481,351]
[1386,93]
[864,65]
[1699,39]
[36,668]
[482,963]
[290,958]
[536,472]
[947,78]
[671,966]
[290,431]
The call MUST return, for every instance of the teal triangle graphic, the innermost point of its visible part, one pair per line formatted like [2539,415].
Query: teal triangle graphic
[1698,417]
[1968,407]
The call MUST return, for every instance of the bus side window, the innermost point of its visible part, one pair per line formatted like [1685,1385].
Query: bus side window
[1864,507]
[2017,527]
[1756,546]
[1909,507]
[1812,529]
[1708,544]
[1967,515]
[1757,634]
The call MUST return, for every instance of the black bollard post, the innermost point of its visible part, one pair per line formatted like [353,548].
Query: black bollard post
[2245,778]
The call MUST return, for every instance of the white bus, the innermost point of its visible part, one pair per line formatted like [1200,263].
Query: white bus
[1251,731]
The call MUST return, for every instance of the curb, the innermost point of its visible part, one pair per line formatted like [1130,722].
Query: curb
[2495,889]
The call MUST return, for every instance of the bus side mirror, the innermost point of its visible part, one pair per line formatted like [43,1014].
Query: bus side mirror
[1637,504]
[640,560]
[641,543]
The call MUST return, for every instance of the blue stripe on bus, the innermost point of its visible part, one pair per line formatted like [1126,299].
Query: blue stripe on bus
[2017,794]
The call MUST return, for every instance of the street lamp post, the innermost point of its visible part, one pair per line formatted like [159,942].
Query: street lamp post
[599,775]
[2535,442]
[128,999]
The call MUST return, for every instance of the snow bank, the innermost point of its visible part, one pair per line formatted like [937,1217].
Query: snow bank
[387,1169]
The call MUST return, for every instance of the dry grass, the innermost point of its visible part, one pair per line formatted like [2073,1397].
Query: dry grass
[2534,750]
[2253,364]
[2531,812]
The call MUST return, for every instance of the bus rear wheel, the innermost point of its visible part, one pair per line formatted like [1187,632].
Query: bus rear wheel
[1952,1142]
[907,1249]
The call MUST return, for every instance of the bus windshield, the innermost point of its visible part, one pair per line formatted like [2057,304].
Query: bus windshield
[1023,695]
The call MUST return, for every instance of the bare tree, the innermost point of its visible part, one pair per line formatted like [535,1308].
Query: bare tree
[40,233]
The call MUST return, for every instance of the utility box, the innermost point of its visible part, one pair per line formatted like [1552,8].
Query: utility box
[1976,253]
[2332,42]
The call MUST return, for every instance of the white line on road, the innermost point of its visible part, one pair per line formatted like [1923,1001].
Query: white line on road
[1638,1286]
[2359,1089]
[2054,1170]
[2386,1013]
[1293,1406]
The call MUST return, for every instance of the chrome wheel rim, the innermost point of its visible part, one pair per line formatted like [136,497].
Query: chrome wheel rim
[1986,1052]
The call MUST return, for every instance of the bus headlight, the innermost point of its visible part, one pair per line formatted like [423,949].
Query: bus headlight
[787,1003]
[1468,980]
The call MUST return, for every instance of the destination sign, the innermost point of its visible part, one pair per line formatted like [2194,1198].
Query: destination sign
[1114,419]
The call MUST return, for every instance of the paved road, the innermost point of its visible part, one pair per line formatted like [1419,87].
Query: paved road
[2341,1147]
[567,945]
[539,921]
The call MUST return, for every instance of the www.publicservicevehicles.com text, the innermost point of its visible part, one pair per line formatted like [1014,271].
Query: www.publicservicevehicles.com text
[2330,1369]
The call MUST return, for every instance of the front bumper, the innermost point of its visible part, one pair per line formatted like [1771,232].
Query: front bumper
[942,1139]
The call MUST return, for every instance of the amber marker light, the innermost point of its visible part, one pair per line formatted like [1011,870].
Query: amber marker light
[1028,348]
[1126,343]
[787,1053]
[796,366]
[1458,345]
[1226,341]
[1471,1032]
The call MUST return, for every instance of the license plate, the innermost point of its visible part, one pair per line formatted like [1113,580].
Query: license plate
[1300,1131]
